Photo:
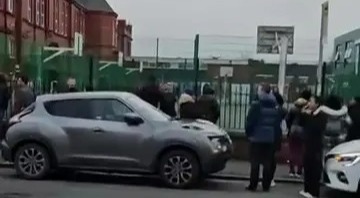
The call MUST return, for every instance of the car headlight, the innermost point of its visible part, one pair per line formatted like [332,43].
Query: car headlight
[217,145]
[349,159]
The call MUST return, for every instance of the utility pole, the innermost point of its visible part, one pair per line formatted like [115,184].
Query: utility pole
[157,52]
[196,64]
[283,61]
[323,37]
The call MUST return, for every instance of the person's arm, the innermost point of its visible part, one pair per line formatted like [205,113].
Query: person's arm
[251,119]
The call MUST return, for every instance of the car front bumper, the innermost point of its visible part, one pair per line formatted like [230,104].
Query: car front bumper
[5,151]
[217,160]
[340,177]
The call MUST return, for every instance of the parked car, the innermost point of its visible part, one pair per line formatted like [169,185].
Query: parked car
[342,167]
[112,131]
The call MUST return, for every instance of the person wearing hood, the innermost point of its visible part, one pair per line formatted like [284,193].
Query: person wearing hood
[187,106]
[208,105]
[295,124]
[354,120]
[168,100]
[315,121]
[261,123]
[151,92]
[71,85]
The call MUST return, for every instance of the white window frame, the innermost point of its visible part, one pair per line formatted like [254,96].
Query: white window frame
[348,53]
[11,47]
[29,11]
[42,13]
[37,11]
[113,32]
[10,6]
[357,56]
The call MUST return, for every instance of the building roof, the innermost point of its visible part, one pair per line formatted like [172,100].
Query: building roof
[96,5]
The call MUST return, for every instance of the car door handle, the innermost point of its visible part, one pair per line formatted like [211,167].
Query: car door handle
[98,130]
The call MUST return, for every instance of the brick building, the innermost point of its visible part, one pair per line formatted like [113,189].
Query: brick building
[54,22]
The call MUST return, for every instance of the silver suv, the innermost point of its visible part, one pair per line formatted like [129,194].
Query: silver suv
[112,131]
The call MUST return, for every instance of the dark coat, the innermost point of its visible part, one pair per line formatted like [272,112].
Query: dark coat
[150,94]
[262,120]
[188,108]
[278,129]
[167,104]
[314,127]
[4,97]
[209,108]
[354,128]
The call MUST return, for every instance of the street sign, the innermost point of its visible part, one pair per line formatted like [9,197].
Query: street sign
[78,44]
[268,39]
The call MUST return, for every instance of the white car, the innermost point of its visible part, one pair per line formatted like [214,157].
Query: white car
[342,167]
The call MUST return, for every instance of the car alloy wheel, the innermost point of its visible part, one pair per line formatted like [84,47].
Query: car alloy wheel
[179,169]
[32,161]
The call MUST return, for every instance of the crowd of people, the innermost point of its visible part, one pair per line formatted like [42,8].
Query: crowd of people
[185,106]
[312,124]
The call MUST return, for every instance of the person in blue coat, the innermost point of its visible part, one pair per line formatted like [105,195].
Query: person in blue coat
[261,125]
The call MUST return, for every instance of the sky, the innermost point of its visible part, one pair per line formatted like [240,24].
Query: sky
[232,23]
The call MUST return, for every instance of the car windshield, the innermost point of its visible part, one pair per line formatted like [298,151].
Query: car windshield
[147,109]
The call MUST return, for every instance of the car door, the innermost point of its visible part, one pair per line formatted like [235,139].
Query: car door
[76,119]
[120,142]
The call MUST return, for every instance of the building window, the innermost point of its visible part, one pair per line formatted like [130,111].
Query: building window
[37,17]
[29,10]
[51,15]
[2,4]
[337,56]
[56,16]
[348,52]
[10,6]
[42,13]
[66,7]
[62,17]
[357,59]
[11,47]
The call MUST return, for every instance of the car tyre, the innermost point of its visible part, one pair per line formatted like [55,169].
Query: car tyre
[32,162]
[179,169]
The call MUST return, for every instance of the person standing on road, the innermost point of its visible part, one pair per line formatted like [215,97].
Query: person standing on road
[278,133]
[314,126]
[187,106]
[208,105]
[261,123]
[24,95]
[354,122]
[168,100]
[4,95]
[295,124]
[151,92]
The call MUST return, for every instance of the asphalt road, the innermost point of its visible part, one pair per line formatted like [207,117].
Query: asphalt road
[91,185]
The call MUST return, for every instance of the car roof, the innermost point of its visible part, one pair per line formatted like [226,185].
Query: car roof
[82,95]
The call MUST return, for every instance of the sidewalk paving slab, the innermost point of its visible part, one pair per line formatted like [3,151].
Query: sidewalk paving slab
[235,170]
[240,170]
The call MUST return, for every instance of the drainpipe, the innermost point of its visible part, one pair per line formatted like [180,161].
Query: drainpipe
[18,32]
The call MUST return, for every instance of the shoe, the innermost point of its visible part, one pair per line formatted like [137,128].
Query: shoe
[305,194]
[250,189]
[292,175]
[273,184]
[299,176]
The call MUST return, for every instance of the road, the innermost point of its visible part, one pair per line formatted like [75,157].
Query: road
[92,185]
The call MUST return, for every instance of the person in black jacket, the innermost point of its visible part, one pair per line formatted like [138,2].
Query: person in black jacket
[151,92]
[4,96]
[168,100]
[208,105]
[314,127]
[278,132]
[187,106]
[354,125]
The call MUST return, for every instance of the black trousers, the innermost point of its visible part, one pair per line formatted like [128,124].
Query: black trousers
[261,154]
[313,170]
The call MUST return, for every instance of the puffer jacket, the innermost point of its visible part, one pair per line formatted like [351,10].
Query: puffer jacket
[263,120]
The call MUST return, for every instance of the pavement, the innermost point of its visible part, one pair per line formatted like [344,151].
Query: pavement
[235,170]
[94,185]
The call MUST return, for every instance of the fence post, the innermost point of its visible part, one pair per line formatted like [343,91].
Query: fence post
[196,64]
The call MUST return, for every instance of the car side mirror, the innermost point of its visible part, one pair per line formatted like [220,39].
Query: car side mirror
[133,119]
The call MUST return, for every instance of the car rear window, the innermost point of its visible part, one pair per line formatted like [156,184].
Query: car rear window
[69,108]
